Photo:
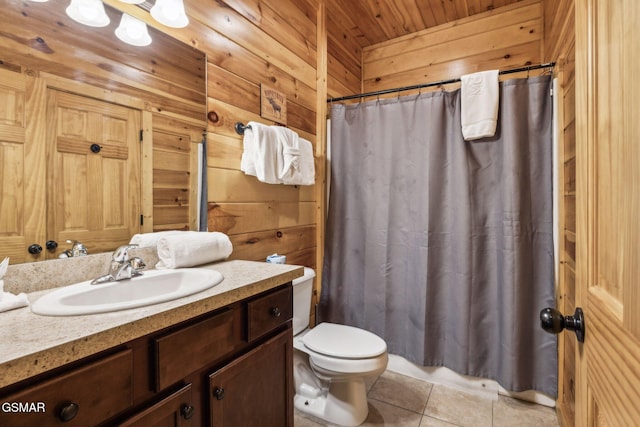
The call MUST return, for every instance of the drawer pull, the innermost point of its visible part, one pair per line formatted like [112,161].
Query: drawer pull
[68,411]
[275,312]
[218,392]
[187,411]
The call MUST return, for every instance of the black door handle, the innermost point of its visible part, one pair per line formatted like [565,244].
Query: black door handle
[552,321]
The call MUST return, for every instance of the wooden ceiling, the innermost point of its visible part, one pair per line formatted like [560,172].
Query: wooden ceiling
[374,21]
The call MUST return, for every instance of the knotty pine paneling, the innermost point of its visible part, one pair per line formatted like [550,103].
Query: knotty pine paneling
[559,28]
[39,36]
[249,43]
[559,43]
[501,38]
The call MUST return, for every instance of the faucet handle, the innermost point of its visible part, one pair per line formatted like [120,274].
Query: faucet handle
[122,253]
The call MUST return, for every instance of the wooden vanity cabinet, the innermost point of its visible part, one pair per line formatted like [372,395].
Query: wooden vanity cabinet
[173,377]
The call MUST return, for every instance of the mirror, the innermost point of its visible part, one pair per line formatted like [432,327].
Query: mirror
[164,82]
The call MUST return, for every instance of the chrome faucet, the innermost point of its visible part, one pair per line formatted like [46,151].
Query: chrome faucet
[122,267]
[78,249]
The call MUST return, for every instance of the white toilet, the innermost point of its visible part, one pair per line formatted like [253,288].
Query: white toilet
[331,361]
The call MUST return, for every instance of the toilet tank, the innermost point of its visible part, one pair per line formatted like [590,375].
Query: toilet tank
[302,288]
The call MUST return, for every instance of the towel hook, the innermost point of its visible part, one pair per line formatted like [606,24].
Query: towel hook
[240,128]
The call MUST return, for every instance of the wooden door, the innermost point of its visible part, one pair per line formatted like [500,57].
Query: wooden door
[93,171]
[608,211]
[22,168]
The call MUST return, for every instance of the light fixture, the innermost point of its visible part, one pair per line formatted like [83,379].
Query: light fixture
[88,12]
[170,13]
[133,31]
[131,1]
[39,1]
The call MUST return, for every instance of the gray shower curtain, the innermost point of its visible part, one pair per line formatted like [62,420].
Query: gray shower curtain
[441,246]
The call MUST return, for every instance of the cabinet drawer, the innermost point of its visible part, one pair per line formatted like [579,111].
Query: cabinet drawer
[176,409]
[185,351]
[267,312]
[87,395]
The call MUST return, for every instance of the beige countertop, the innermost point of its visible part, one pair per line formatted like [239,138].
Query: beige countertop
[31,344]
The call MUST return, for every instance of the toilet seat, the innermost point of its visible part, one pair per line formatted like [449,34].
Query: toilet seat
[344,342]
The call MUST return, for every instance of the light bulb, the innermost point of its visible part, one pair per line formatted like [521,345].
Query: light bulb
[133,31]
[88,12]
[170,13]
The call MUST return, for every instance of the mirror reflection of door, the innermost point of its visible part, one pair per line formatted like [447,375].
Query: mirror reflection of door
[12,166]
[93,152]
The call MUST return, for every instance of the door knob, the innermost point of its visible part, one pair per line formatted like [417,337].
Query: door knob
[552,321]
[34,249]
[51,245]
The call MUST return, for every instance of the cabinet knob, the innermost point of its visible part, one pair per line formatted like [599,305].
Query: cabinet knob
[95,148]
[187,411]
[218,392]
[275,312]
[68,411]
[51,245]
[34,249]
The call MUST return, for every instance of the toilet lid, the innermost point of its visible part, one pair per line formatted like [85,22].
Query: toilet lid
[343,341]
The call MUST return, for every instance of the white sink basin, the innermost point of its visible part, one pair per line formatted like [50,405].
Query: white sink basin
[152,287]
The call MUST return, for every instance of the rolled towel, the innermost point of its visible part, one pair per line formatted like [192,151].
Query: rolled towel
[146,240]
[191,248]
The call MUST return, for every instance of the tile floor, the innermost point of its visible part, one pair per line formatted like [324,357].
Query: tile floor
[401,401]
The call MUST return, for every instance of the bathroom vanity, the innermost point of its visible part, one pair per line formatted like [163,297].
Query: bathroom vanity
[222,357]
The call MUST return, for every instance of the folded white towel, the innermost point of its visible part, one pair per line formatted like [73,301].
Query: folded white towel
[298,164]
[191,248]
[259,157]
[146,240]
[479,104]
[9,301]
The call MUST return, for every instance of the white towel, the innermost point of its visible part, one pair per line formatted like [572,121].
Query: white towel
[191,248]
[295,160]
[301,169]
[9,301]
[259,157]
[479,109]
[146,240]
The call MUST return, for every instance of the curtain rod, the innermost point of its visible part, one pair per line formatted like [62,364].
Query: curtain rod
[438,83]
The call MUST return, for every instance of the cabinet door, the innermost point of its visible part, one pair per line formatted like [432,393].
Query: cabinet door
[176,410]
[255,389]
[93,173]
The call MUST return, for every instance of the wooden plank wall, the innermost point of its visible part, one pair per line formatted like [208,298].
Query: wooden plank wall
[560,48]
[344,72]
[502,38]
[249,43]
